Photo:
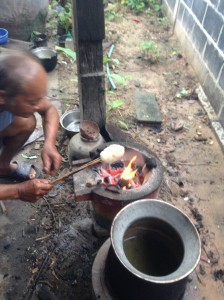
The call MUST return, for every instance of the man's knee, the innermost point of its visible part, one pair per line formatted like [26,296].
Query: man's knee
[27,125]
[20,126]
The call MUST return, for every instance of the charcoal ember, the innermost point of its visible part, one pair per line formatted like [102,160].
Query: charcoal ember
[107,180]
[96,152]
[96,169]
[151,163]
[117,178]
[117,165]
[124,183]
[113,188]
[99,181]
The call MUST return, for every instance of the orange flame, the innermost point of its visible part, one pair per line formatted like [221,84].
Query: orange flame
[128,172]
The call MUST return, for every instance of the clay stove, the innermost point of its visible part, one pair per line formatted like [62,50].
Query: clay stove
[109,199]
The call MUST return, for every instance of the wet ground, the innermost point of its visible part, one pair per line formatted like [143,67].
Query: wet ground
[48,248]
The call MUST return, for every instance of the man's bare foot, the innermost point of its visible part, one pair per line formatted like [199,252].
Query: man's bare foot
[10,169]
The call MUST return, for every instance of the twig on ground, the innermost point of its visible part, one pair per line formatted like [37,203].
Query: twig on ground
[2,206]
[48,204]
[59,225]
[54,274]
[46,282]
[43,238]
[45,262]
[199,279]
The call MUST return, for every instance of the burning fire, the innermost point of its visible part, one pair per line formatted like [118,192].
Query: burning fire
[128,172]
[119,176]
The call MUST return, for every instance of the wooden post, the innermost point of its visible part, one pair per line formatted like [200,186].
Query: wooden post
[89,29]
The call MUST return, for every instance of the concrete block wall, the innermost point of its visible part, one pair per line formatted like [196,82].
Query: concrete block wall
[199,25]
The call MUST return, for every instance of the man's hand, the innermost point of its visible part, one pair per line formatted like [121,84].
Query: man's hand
[32,190]
[51,160]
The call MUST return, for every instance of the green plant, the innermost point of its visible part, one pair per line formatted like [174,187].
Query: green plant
[113,105]
[65,16]
[137,5]
[113,61]
[52,5]
[150,49]
[112,11]
[121,79]
[182,93]
[155,5]
[68,52]
[123,125]
[111,15]
[164,22]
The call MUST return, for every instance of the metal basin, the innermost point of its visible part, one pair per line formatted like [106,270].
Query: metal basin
[70,122]
[47,57]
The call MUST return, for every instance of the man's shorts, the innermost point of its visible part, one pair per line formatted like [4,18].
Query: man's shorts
[6,119]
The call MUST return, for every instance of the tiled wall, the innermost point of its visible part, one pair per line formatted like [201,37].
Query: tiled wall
[199,25]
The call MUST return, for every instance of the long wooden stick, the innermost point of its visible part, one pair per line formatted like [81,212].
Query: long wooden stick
[90,164]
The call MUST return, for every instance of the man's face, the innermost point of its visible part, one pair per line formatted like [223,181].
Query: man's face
[30,101]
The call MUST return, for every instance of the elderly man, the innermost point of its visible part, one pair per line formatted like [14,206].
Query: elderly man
[23,86]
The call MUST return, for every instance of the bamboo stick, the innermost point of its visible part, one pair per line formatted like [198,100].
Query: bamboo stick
[90,164]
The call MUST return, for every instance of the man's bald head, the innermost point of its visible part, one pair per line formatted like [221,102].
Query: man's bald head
[16,69]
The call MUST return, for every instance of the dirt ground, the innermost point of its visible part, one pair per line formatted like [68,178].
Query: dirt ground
[48,248]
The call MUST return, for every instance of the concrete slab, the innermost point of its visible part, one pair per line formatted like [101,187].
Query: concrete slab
[215,124]
[219,131]
[147,109]
[206,104]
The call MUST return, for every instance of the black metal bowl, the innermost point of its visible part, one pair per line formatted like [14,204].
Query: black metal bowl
[47,57]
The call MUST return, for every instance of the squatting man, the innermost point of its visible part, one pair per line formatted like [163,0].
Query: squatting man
[23,87]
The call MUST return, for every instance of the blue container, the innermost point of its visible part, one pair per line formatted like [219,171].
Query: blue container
[3,36]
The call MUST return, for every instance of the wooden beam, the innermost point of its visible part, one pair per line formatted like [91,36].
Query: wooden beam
[89,31]
[90,18]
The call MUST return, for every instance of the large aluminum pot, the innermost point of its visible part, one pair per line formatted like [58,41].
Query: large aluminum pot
[156,247]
